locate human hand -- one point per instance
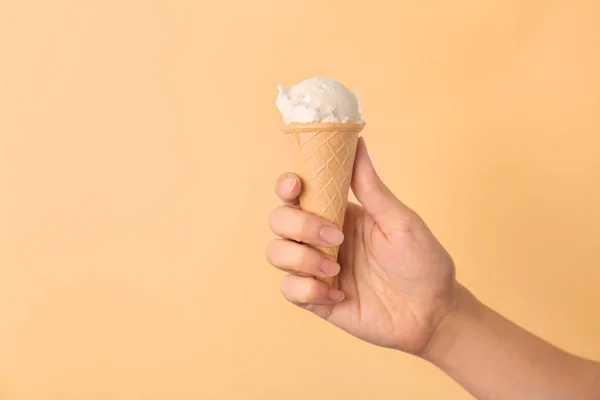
(396, 282)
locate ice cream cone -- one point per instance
(323, 155)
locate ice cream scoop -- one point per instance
(318, 100)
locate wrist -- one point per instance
(465, 312)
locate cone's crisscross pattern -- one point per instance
(323, 159)
(332, 161)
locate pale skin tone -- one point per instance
(395, 287)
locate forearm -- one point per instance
(495, 359)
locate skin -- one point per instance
(397, 289)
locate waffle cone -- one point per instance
(323, 157)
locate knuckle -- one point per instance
(274, 217)
(311, 307)
(308, 293)
(411, 222)
(270, 251)
(313, 260)
(300, 256)
(307, 260)
(285, 287)
(305, 224)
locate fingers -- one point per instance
(304, 290)
(287, 188)
(300, 259)
(293, 223)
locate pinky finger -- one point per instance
(309, 292)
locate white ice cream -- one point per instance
(318, 100)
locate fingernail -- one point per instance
(329, 267)
(288, 185)
(331, 235)
(336, 295)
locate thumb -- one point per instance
(378, 200)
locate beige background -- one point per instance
(138, 146)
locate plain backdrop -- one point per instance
(139, 143)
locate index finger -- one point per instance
(287, 188)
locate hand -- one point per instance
(396, 282)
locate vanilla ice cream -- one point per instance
(318, 100)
